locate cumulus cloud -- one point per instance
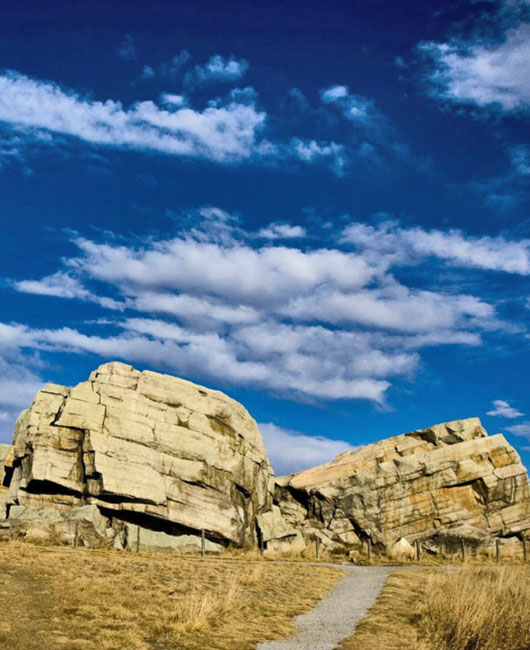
(501, 408)
(312, 151)
(290, 451)
(279, 230)
(453, 246)
(222, 304)
(481, 73)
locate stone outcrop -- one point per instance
(420, 485)
(139, 459)
(142, 449)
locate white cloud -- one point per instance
(19, 379)
(484, 74)
(279, 230)
(312, 151)
(522, 429)
(238, 273)
(64, 285)
(217, 68)
(503, 409)
(221, 133)
(306, 323)
(290, 451)
(334, 93)
(229, 130)
(453, 246)
(393, 307)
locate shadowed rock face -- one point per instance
(414, 486)
(145, 448)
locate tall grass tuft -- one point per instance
(484, 608)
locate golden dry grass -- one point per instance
(484, 608)
(55, 598)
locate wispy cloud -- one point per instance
(502, 409)
(126, 50)
(452, 246)
(167, 70)
(221, 133)
(355, 108)
(226, 131)
(522, 429)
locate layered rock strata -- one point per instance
(140, 459)
(448, 479)
(143, 449)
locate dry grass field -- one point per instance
(54, 598)
(472, 608)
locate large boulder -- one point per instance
(146, 449)
(419, 485)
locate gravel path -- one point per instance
(335, 617)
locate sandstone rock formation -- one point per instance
(139, 448)
(449, 478)
(140, 459)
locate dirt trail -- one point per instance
(334, 618)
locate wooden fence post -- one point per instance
(524, 551)
(317, 547)
(497, 549)
(203, 543)
(418, 550)
(138, 539)
(261, 545)
(463, 545)
(76, 534)
(369, 549)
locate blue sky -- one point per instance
(318, 207)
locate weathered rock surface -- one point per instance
(4, 451)
(140, 459)
(419, 485)
(142, 448)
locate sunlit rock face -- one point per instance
(419, 485)
(140, 459)
(147, 449)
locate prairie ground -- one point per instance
(56, 597)
(470, 608)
